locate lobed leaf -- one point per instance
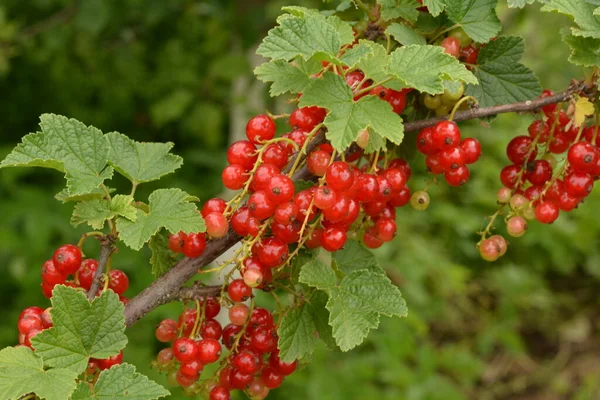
(95, 212)
(477, 17)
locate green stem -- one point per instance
(444, 31)
(373, 86)
(458, 104)
(362, 6)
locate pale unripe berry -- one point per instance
(420, 200)
(516, 226)
(504, 195)
(518, 201)
(362, 140)
(488, 250)
(253, 277)
(238, 314)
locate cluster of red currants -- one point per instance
(446, 153)
(68, 260)
(197, 338)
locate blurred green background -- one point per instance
(525, 327)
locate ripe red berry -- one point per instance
(451, 46)
(209, 351)
(578, 184)
(402, 165)
(33, 310)
(260, 128)
(385, 229)
(234, 177)
(271, 252)
(425, 142)
(325, 198)
(380, 92)
(385, 189)
(306, 118)
(67, 259)
(368, 189)
(238, 314)
(118, 281)
(263, 339)
(451, 158)
(582, 156)
(29, 323)
(229, 333)
(397, 100)
(303, 200)
(280, 367)
(275, 155)
(539, 129)
(280, 189)
(289, 233)
(214, 205)
(508, 175)
(286, 213)
(183, 380)
(471, 150)
(243, 153)
(314, 241)
(469, 54)
(51, 275)
(353, 79)
(216, 225)
(219, 393)
(260, 205)
(457, 177)
(106, 363)
(317, 162)
(559, 143)
(333, 239)
(166, 331)
(185, 349)
(550, 108)
(400, 199)
(518, 148)
(211, 329)
(238, 291)
(339, 176)
(271, 378)
(47, 318)
(566, 202)
(191, 369)
(546, 212)
(194, 245)
(239, 380)
(176, 241)
(395, 178)
(539, 172)
(445, 134)
(262, 176)
(339, 211)
(247, 362)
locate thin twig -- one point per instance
(106, 251)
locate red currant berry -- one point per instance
(234, 177)
(518, 148)
(214, 205)
(566, 202)
(550, 108)
(47, 318)
(238, 314)
(260, 205)
(166, 331)
(163, 357)
(339, 176)
(185, 349)
(219, 393)
(51, 275)
(582, 156)
(260, 129)
(333, 239)
(369, 188)
(508, 175)
(402, 165)
(106, 363)
(578, 184)
(230, 331)
(471, 150)
(469, 54)
(210, 329)
(339, 211)
(194, 245)
(306, 118)
(118, 281)
(271, 252)
(317, 162)
(451, 46)
(546, 212)
(29, 323)
(280, 367)
(239, 380)
(314, 241)
(401, 199)
(380, 92)
(183, 380)
(191, 369)
(271, 378)
(539, 129)
(397, 100)
(262, 176)
(209, 351)
(325, 197)
(238, 291)
(445, 134)
(385, 229)
(425, 142)
(263, 339)
(287, 233)
(559, 143)
(280, 189)
(451, 158)
(275, 155)
(242, 153)
(457, 177)
(216, 225)
(247, 362)
(67, 259)
(286, 213)
(176, 241)
(516, 226)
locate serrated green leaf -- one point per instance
(502, 79)
(21, 372)
(584, 51)
(343, 28)
(582, 12)
(141, 162)
(297, 333)
(374, 66)
(121, 382)
(426, 67)
(68, 146)
(392, 9)
(162, 258)
(519, 3)
(97, 193)
(348, 117)
(287, 77)
(303, 33)
(356, 54)
(169, 208)
(96, 211)
(435, 7)
(477, 17)
(404, 34)
(81, 329)
(318, 302)
(355, 256)
(355, 302)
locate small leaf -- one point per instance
(317, 274)
(169, 208)
(477, 17)
(406, 9)
(404, 34)
(21, 372)
(583, 12)
(583, 108)
(297, 333)
(141, 162)
(356, 54)
(96, 211)
(435, 7)
(502, 78)
(121, 382)
(162, 258)
(355, 256)
(68, 146)
(97, 193)
(81, 329)
(584, 51)
(426, 67)
(287, 77)
(374, 66)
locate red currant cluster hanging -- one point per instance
(68, 261)
(535, 187)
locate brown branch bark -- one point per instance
(167, 287)
(106, 251)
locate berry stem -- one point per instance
(373, 86)
(199, 316)
(302, 152)
(459, 103)
(87, 235)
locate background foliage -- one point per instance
(525, 327)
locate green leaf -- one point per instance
(477, 17)
(520, 3)
(141, 162)
(584, 51)
(304, 33)
(404, 34)
(301, 184)
(286, 77)
(318, 302)
(374, 66)
(97, 193)
(356, 54)
(348, 117)
(426, 67)
(81, 329)
(355, 302)
(502, 78)
(96, 211)
(169, 208)
(21, 372)
(121, 382)
(582, 12)
(392, 9)
(435, 7)
(68, 146)
(162, 257)
(355, 256)
(297, 333)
